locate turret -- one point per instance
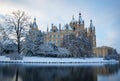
(73, 22)
(59, 27)
(91, 24)
(34, 24)
(91, 33)
(92, 27)
(80, 24)
(47, 29)
(54, 28)
(80, 21)
(51, 25)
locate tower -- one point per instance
(80, 21)
(33, 29)
(80, 25)
(34, 25)
(91, 34)
(73, 23)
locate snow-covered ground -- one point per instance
(51, 60)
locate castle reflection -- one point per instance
(56, 73)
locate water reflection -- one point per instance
(59, 73)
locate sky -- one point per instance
(104, 13)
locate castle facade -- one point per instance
(56, 34)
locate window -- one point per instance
(58, 36)
(59, 41)
(50, 36)
(54, 36)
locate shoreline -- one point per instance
(51, 60)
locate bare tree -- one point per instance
(18, 23)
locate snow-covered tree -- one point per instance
(1, 48)
(37, 42)
(18, 23)
(78, 46)
(37, 47)
(48, 50)
(27, 46)
(63, 52)
(34, 45)
(68, 41)
(84, 44)
(32, 42)
(7, 46)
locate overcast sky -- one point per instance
(104, 13)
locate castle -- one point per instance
(56, 34)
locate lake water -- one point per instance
(107, 72)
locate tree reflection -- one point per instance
(55, 73)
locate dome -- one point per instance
(73, 20)
(67, 27)
(34, 25)
(55, 28)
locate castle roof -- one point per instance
(66, 27)
(54, 28)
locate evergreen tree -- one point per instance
(78, 46)
(31, 45)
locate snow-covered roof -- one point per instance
(66, 27)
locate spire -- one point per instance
(47, 29)
(79, 15)
(52, 25)
(92, 27)
(91, 24)
(73, 17)
(34, 25)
